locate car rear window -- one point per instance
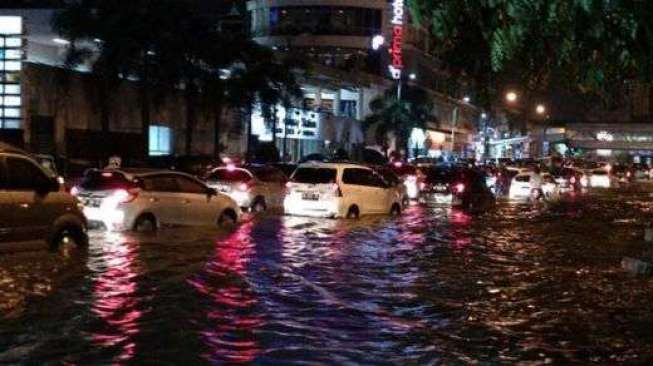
(314, 175)
(599, 172)
(95, 180)
(523, 178)
(230, 175)
(440, 175)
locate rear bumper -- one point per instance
(298, 207)
(439, 198)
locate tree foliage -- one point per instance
(174, 46)
(399, 116)
(585, 46)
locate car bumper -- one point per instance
(299, 207)
(116, 219)
(439, 198)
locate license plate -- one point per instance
(440, 187)
(309, 196)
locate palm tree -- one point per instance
(399, 116)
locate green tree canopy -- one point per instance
(399, 116)
(583, 46)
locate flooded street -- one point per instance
(521, 284)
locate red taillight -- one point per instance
(459, 188)
(422, 185)
(628, 174)
(573, 180)
(288, 185)
(125, 196)
(74, 191)
(244, 187)
(335, 188)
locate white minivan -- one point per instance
(339, 190)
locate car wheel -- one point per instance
(395, 210)
(67, 240)
(145, 224)
(259, 205)
(353, 212)
(227, 219)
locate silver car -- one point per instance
(253, 187)
(144, 200)
(34, 208)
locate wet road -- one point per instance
(522, 284)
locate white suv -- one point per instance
(339, 190)
(143, 200)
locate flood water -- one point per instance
(520, 285)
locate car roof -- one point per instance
(333, 165)
(7, 148)
(144, 172)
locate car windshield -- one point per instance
(523, 178)
(230, 175)
(95, 180)
(600, 172)
(314, 175)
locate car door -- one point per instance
(163, 199)
(32, 212)
(383, 194)
(199, 207)
(7, 221)
(361, 185)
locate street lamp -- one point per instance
(483, 115)
(511, 97)
(466, 99)
(412, 76)
(540, 109)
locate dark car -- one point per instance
(462, 187)
(623, 173)
(567, 178)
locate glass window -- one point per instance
(160, 183)
(14, 42)
(11, 89)
(10, 112)
(12, 66)
(96, 180)
(314, 175)
(24, 175)
(11, 101)
(187, 185)
(9, 123)
(230, 175)
(362, 177)
(160, 140)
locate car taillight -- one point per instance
(335, 188)
(573, 180)
(124, 195)
(411, 179)
(74, 191)
(244, 187)
(459, 188)
(288, 185)
(422, 185)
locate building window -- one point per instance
(160, 140)
(11, 29)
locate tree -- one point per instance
(265, 80)
(399, 116)
(586, 47)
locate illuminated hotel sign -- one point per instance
(396, 57)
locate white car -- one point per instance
(601, 178)
(142, 200)
(253, 187)
(339, 190)
(522, 186)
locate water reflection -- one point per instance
(231, 317)
(114, 298)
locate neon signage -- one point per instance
(396, 55)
